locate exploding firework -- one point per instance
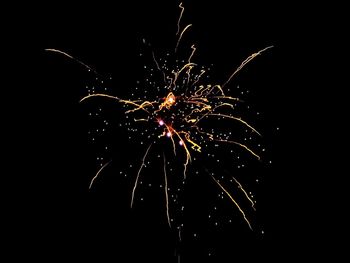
(181, 119)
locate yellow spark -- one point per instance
(193, 50)
(170, 130)
(100, 95)
(180, 37)
(210, 135)
(208, 89)
(158, 67)
(166, 191)
(191, 120)
(194, 146)
(222, 105)
(71, 57)
(205, 107)
(178, 22)
(170, 80)
(188, 154)
(98, 172)
(168, 102)
(138, 174)
(201, 88)
(245, 193)
(199, 76)
(176, 74)
(138, 106)
(212, 88)
(198, 103)
(234, 201)
(241, 145)
(228, 98)
(246, 61)
(188, 72)
(141, 119)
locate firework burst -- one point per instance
(177, 114)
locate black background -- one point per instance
(50, 210)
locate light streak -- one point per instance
(97, 174)
(166, 192)
(138, 174)
(234, 201)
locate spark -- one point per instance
(169, 135)
(241, 145)
(168, 102)
(99, 95)
(158, 67)
(180, 16)
(138, 174)
(166, 191)
(97, 174)
(193, 50)
(180, 37)
(234, 201)
(141, 106)
(73, 58)
(245, 62)
(198, 77)
(245, 193)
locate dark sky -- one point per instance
(56, 213)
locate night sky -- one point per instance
(55, 210)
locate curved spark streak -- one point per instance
(73, 58)
(234, 201)
(198, 77)
(239, 144)
(176, 74)
(97, 174)
(138, 175)
(188, 155)
(228, 98)
(158, 67)
(100, 95)
(178, 22)
(138, 106)
(180, 37)
(170, 130)
(166, 191)
(193, 47)
(245, 193)
(245, 62)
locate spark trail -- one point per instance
(234, 201)
(166, 191)
(98, 173)
(138, 175)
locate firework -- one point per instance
(181, 109)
